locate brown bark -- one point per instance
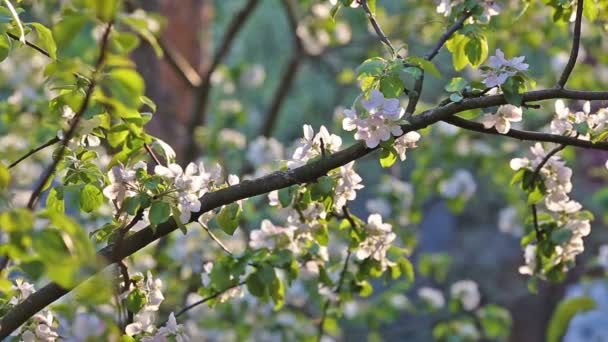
(187, 32)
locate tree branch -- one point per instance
(576, 41)
(74, 125)
(527, 135)
(198, 115)
(275, 181)
(376, 26)
(30, 44)
(51, 142)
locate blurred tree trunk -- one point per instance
(188, 32)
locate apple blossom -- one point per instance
(502, 119)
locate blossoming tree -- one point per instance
(273, 245)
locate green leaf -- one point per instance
(391, 87)
(159, 212)
(54, 201)
(388, 157)
(228, 218)
(136, 300)
(45, 39)
(535, 196)
(16, 220)
(106, 10)
(476, 50)
(334, 10)
(91, 198)
(277, 292)
(127, 86)
(285, 196)
(564, 313)
(5, 177)
(513, 89)
(456, 45)
(177, 218)
(495, 321)
(560, 236)
(427, 66)
(365, 288)
(456, 84)
(591, 10)
(5, 46)
(456, 97)
(373, 67)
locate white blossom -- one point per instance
(378, 240)
(467, 292)
(461, 183)
(408, 140)
(433, 297)
(348, 183)
(502, 119)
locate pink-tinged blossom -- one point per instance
(313, 145)
(501, 69)
(501, 120)
(408, 140)
(379, 121)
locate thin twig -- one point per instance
(30, 44)
(535, 175)
(206, 299)
(576, 41)
(51, 142)
(152, 154)
(198, 115)
(377, 28)
(527, 135)
(414, 94)
(74, 125)
(217, 240)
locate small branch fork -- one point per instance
(372, 19)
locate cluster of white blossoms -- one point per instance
(184, 187)
(556, 177)
(144, 320)
(189, 185)
(501, 69)
(501, 120)
(490, 7)
(565, 120)
(467, 292)
(41, 326)
(377, 241)
(378, 120)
